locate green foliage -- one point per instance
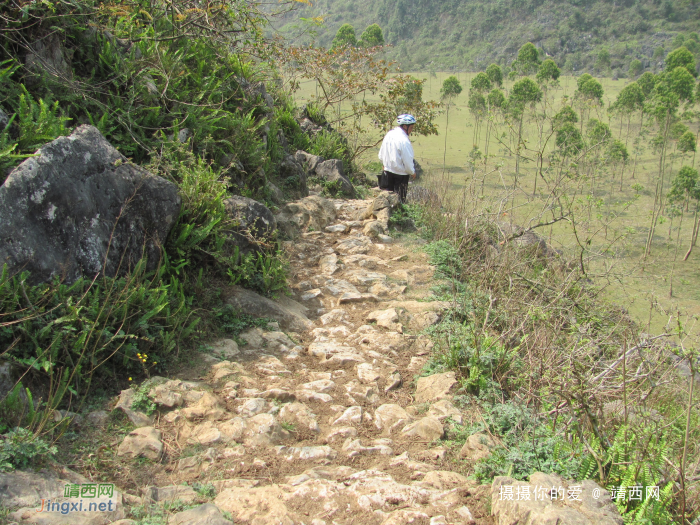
(685, 185)
(37, 122)
(206, 490)
(603, 59)
(450, 88)
(495, 74)
(647, 82)
(635, 68)
(680, 57)
(599, 132)
(372, 36)
(590, 89)
(481, 83)
(17, 409)
(284, 115)
(531, 445)
(264, 272)
(630, 99)
(687, 142)
(20, 449)
(496, 99)
(523, 94)
(676, 83)
(626, 468)
(548, 72)
(528, 60)
(330, 145)
(617, 152)
(141, 401)
(569, 140)
(566, 114)
(477, 104)
(445, 257)
(344, 37)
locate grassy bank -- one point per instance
(561, 379)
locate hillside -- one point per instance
(470, 34)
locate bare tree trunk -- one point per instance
(693, 235)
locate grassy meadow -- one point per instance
(613, 207)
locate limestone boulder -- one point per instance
(308, 161)
(312, 212)
(143, 442)
(574, 503)
(252, 222)
(207, 514)
(291, 170)
(288, 314)
(300, 416)
(478, 446)
(435, 387)
(80, 208)
(390, 417)
(333, 171)
(138, 418)
(425, 429)
(256, 506)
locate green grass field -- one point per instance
(617, 267)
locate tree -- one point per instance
(687, 142)
(565, 115)
(617, 155)
(496, 99)
(685, 186)
(449, 91)
(528, 60)
(591, 90)
(345, 37)
(477, 107)
(372, 37)
(603, 60)
(589, 93)
(495, 74)
(481, 83)
(635, 68)
(548, 73)
(630, 99)
(569, 140)
(680, 57)
(647, 82)
(525, 93)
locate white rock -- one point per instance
(352, 415)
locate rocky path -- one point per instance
(327, 425)
(320, 419)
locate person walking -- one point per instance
(396, 154)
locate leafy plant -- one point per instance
(20, 448)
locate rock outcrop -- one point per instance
(79, 207)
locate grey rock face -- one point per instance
(309, 161)
(47, 55)
(79, 208)
(251, 215)
(290, 316)
(4, 119)
(253, 222)
(334, 171)
(291, 167)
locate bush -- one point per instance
(21, 448)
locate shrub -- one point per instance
(21, 448)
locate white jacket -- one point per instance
(396, 153)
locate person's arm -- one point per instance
(407, 158)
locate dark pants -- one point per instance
(398, 184)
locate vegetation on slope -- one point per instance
(601, 37)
